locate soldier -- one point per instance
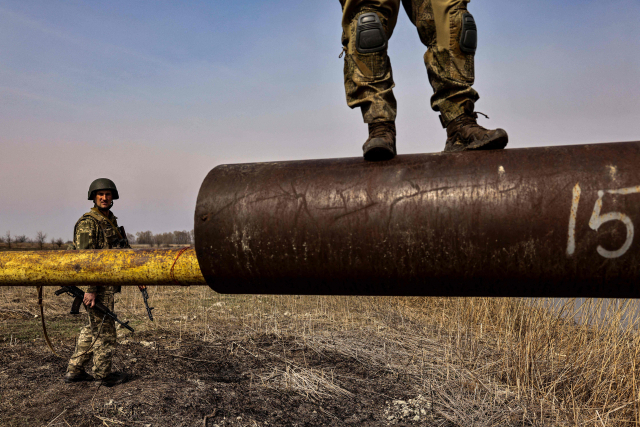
(449, 32)
(98, 229)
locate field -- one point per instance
(220, 360)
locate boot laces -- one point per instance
(470, 120)
(381, 129)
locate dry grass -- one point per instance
(475, 361)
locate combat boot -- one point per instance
(464, 133)
(114, 378)
(74, 377)
(381, 144)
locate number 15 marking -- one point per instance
(597, 219)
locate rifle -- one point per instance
(145, 297)
(78, 294)
(122, 243)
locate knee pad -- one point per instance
(468, 34)
(370, 35)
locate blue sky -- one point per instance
(153, 94)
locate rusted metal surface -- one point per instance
(126, 267)
(536, 222)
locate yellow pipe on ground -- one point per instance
(125, 267)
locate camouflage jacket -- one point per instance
(95, 231)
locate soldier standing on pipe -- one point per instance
(98, 229)
(449, 31)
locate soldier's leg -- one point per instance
(105, 345)
(84, 351)
(82, 354)
(367, 26)
(450, 33)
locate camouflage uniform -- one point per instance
(368, 78)
(94, 231)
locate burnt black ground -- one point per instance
(177, 382)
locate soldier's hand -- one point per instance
(89, 299)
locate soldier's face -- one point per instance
(104, 199)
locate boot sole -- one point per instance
(77, 380)
(376, 151)
(497, 143)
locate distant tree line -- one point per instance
(141, 238)
(162, 239)
(40, 239)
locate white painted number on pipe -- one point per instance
(571, 245)
(597, 219)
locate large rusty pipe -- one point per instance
(535, 222)
(126, 267)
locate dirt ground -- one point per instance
(180, 381)
(209, 359)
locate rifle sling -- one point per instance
(44, 326)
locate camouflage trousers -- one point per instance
(104, 347)
(368, 78)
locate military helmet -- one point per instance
(102, 184)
